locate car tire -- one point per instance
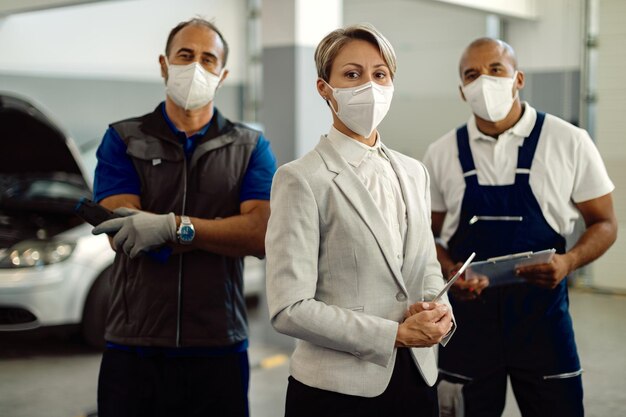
(95, 310)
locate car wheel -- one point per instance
(94, 313)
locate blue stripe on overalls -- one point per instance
(513, 326)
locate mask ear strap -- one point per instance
(219, 77)
(330, 104)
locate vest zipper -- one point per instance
(180, 258)
(125, 299)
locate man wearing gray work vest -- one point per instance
(514, 180)
(195, 186)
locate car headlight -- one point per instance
(36, 253)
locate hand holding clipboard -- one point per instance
(501, 270)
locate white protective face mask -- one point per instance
(491, 98)
(362, 108)
(191, 86)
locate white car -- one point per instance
(53, 271)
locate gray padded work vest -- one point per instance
(196, 298)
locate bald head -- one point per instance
(487, 56)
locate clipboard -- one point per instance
(501, 270)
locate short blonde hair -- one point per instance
(329, 47)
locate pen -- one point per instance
(454, 278)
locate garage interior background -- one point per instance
(94, 62)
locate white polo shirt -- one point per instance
(567, 169)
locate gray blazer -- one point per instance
(332, 279)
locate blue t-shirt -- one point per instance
(115, 173)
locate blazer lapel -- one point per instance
(409, 195)
(362, 201)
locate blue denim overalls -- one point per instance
(518, 330)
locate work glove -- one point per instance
(136, 231)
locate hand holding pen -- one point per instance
(426, 327)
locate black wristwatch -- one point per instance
(186, 231)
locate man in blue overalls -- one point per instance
(514, 180)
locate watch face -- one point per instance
(186, 233)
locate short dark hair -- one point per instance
(198, 22)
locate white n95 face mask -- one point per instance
(191, 86)
(362, 108)
(491, 98)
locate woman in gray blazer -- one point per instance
(350, 254)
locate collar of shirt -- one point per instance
(521, 129)
(189, 142)
(353, 151)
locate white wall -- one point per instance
(299, 22)
(553, 40)
(514, 8)
(16, 6)
(115, 39)
(608, 270)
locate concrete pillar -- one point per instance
(291, 111)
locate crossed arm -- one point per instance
(236, 236)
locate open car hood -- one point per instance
(31, 142)
(41, 175)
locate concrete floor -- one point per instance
(56, 376)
